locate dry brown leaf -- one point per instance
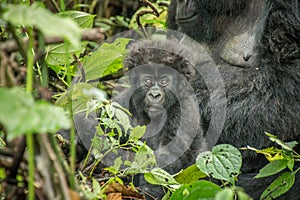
(114, 196)
(124, 190)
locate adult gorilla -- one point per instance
(256, 45)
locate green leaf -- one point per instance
(292, 144)
(143, 160)
(232, 194)
(116, 168)
(122, 116)
(137, 132)
(243, 196)
(290, 164)
(158, 176)
(200, 190)
(96, 187)
(61, 54)
(83, 19)
(272, 168)
(279, 186)
(190, 174)
(106, 60)
(81, 96)
(223, 162)
(48, 23)
(21, 115)
(225, 194)
(287, 146)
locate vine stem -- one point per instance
(29, 135)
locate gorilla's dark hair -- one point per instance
(166, 52)
(262, 96)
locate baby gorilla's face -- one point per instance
(157, 85)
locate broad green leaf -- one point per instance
(83, 19)
(200, 190)
(225, 194)
(137, 132)
(107, 59)
(21, 115)
(190, 174)
(158, 176)
(61, 54)
(279, 186)
(223, 162)
(272, 168)
(48, 23)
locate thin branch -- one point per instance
(80, 66)
(96, 35)
(153, 11)
(58, 168)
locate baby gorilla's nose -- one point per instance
(155, 96)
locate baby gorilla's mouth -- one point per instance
(155, 108)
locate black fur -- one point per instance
(180, 125)
(262, 79)
(158, 58)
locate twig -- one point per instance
(80, 66)
(58, 168)
(153, 11)
(95, 34)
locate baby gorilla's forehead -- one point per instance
(157, 70)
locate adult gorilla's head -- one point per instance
(230, 29)
(204, 20)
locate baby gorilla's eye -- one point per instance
(148, 82)
(164, 82)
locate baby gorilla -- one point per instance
(161, 97)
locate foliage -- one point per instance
(22, 15)
(58, 55)
(151, 19)
(280, 159)
(279, 186)
(116, 139)
(107, 59)
(202, 190)
(190, 174)
(223, 162)
(21, 114)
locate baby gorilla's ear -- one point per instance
(188, 70)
